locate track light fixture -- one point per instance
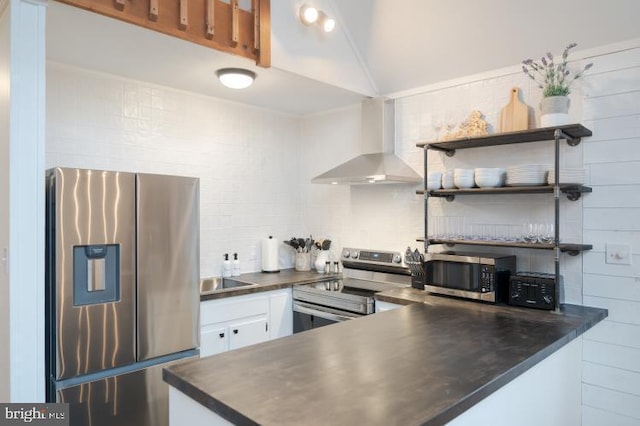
(311, 15)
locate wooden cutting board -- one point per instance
(515, 115)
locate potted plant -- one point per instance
(555, 80)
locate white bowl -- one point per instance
(463, 172)
(489, 181)
(489, 177)
(447, 180)
(463, 181)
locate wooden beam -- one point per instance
(234, 23)
(210, 22)
(264, 53)
(153, 10)
(184, 15)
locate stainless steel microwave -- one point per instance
(479, 276)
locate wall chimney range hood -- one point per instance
(377, 163)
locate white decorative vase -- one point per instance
(303, 261)
(554, 111)
(321, 261)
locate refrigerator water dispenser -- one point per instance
(96, 272)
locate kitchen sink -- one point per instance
(214, 284)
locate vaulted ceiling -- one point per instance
(389, 45)
(411, 43)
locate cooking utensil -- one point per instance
(515, 115)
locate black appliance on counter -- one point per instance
(533, 290)
(365, 272)
(477, 276)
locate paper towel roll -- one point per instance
(270, 255)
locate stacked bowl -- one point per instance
(489, 177)
(463, 178)
(527, 175)
(434, 180)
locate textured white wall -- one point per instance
(247, 158)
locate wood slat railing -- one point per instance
(217, 24)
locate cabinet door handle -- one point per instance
(235, 331)
(221, 335)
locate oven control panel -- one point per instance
(372, 257)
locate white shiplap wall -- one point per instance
(611, 376)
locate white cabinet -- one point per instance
(238, 321)
(249, 332)
(280, 313)
(213, 339)
(385, 306)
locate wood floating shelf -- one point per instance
(572, 249)
(572, 191)
(572, 133)
(216, 24)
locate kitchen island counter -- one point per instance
(425, 363)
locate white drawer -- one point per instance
(214, 311)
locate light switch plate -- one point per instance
(618, 254)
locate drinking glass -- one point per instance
(530, 233)
(547, 235)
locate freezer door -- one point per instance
(168, 264)
(90, 271)
(138, 398)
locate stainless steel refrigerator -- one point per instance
(122, 291)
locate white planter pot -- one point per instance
(554, 111)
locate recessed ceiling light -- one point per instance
(236, 78)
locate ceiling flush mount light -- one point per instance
(236, 78)
(310, 15)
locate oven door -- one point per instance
(307, 316)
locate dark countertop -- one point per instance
(262, 281)
(420, 364)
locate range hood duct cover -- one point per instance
(377, 163)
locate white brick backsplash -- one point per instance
(246, 158)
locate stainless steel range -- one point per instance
(365, 272)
